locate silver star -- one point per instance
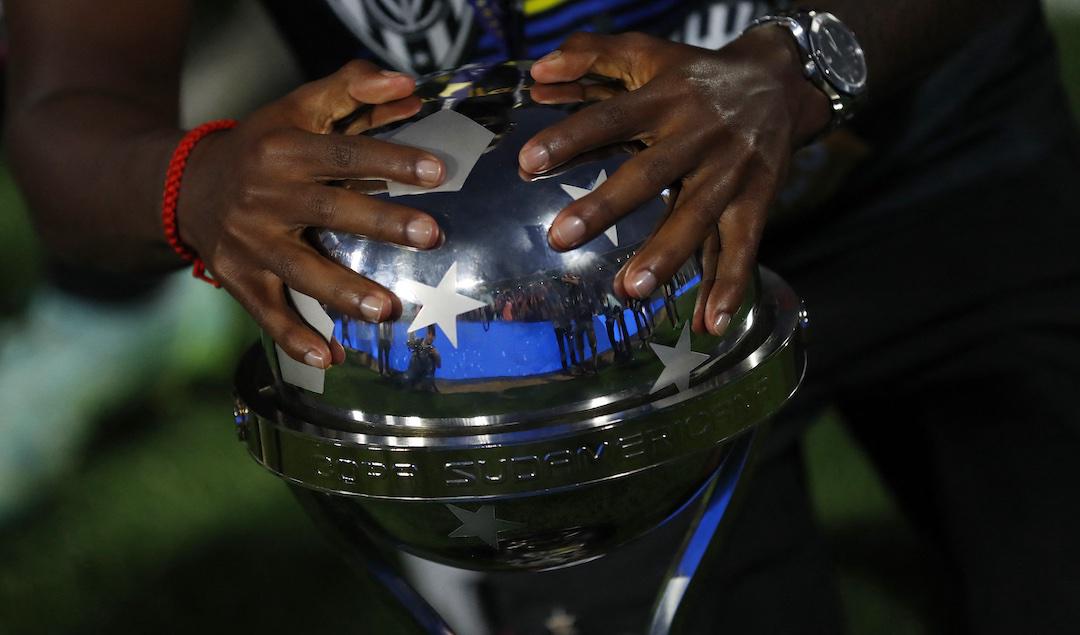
(442, 304)
(561, 623)
(480, 524)
(577, 192)
(679, 361)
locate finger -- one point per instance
(710, 250)
(572, 92)
(316, 205)
(263, 296)
(331, 157)
(741, 225)
(618, 284)
(616, 119)
(315, 106)
(302, 268)
(700, 203)
(337, 352)
(637, 181)
(584, 53)
(379, 115)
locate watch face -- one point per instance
(838, 53)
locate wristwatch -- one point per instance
(833, 60)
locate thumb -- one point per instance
(315, 106)
(584, 53)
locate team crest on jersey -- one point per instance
(417, 36)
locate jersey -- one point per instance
(420, 36)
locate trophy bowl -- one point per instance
(518, 415)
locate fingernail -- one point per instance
(721, 323)
(568, 231)
(315, 358)
(533, 158)
(429, 171)
(642, 284)
(420, 232)
(372, 307)
(554, 55)
(388, 73)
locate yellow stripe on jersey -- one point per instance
(532, 7)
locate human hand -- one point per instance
(250, 193)
(719, 125)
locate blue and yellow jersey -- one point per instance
(419, 36)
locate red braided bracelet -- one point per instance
(172, 194)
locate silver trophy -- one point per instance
(519, 415)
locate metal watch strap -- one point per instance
(797, 23)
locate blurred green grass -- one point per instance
(166, 525)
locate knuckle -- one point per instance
(271, 319)
(701, 214)
(248, 196)
(321, 207)
(345, 297)
(267, 148)
(401, 163)
(259, 311)
(383, 225)
(342, 154)
(599, 208)
(656, 171)
(288, 269)
(668, 258)
(611, 115)
(752, 142)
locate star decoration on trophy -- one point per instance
(442, 305)
(679, 361)
(577, 192)
(481, 524)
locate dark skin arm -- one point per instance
(723, 126)
(93, 123)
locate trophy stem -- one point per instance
(427, 620)
(716, 497)
(399, 602)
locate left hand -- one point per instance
(720, 124)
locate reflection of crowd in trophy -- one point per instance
(571, 304)
(385, 341)
(424, 360)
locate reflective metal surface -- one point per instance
(548, 421)
(548, 336)
(529, 495)
(530, 455)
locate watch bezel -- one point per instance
(817, 21)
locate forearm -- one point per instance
(905, 39)
(92, 121)
(92, 166)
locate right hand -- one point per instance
(250, 193)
